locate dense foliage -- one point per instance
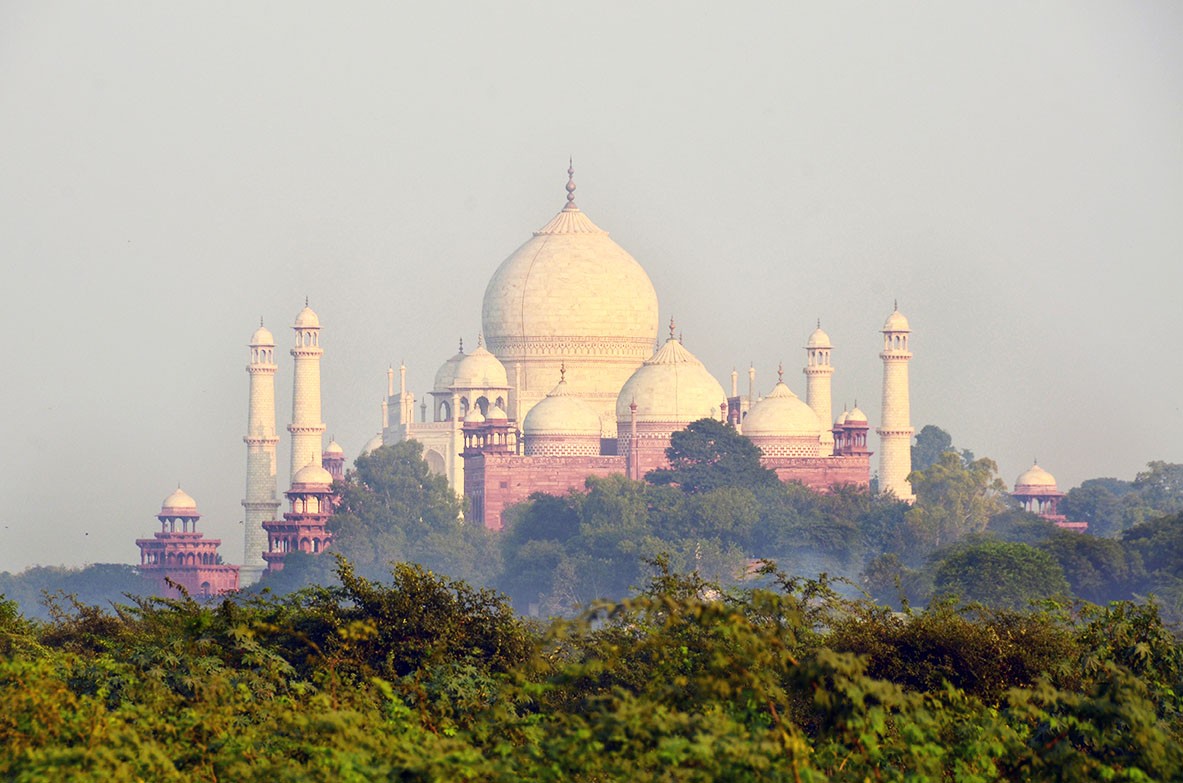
(422, 678)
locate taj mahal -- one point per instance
(571, 376)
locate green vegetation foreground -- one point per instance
(420, 678)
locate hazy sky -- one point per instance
(1011, 172)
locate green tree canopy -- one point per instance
(1000, 574)
(953, 500)
(709, 455)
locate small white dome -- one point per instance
(178, 503)
(312, 474)
(671, 386)
(307, 319)
(372, 444)
(819, 339)
(474, 416)
(335, 449)
(856, 416)
(896, 322)
(480, 369)
(842, 417)
(561, 413)
(446, 374)
(781, 414)
(496, 413)
(262, 338)
(1035, 476)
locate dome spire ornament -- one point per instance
(780, 372)
(673, 326)
(563, 372)
(570, 186)
(461, 345)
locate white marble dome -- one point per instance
(781, 414)
(307, 318)
(372, 444)
(671, 386)
(335, 449)
(178, 503)
(856, 416)
(561, 413)
(312, 474)
(570, 280)
(262, 338)
(896, 322)
(480, 369)
(447, 371)
(819, 339)
(1035, 476)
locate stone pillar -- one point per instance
(818, 373)
(260, 503)
(895, 427)
(306, 428)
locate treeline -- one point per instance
(717, 512)
(421, 678)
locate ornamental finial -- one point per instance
(480, 340)
(780, 372)
(673, 326)
(461, 345)
(563, 372)
(305, 301)
(570, 185)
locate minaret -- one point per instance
(817, 383)
(306, 427)
(260, 503)
(895, 427)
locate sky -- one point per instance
(1010, 172)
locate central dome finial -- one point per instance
(570, 185)
(672, 327)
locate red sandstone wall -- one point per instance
(821, 473)
(494, 482)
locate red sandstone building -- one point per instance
(304, 526)
(179, 558)
(1037, 493)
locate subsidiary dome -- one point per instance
(571, 287)
(262, 338)
(819, 339)
(1035, 476)
(178, 504)
(335, 449)
(372, 444)
(479, 369)
(896, 322)
(561, 413)
(856, 416)
(312, 474)
(446, 374)
(842, 417)
(671, 386)
(497, 413)
(307, 318)
(781, 414)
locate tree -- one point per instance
(931, 443)
(393, 509)
(1097, 569)
(1000, 574)
(708, 455)
(953, 500)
